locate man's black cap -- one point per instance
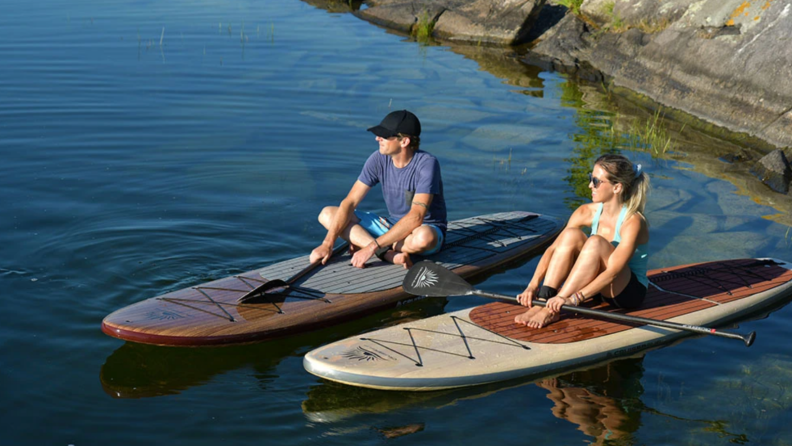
(397, 122)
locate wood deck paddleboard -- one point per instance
(210, 314)
(483, 344)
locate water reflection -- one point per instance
(607, 123)
(596, 135)
(503, 63)
(143, 371)
(603, 402)
(606, 404)
(336, 5)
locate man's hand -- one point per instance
(360, 257)
(320, 253)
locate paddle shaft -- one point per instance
(311, 266)
(747, 339)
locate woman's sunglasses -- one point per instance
(596, 181)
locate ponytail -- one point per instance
(634, 181)
(635, 195)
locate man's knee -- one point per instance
(424, 238)
(327, 214)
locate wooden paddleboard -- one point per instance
(483, 344)
(210, 314)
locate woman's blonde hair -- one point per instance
(634, 181)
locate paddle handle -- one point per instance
(747, 339)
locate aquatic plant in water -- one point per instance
(652, 134)
(601, 132)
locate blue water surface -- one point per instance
(150, 146)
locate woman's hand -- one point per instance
(527, 296)
(555, 303)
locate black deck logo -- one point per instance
(425, 278)
(363, 354)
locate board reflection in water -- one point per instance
(618, 382)
(141, 371)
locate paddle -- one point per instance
(280, 284)
(427, 278)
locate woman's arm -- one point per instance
(582, 217)
(630, 232)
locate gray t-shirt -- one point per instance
(420, 176)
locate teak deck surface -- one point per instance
(677, 291)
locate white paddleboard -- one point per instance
(483, 345)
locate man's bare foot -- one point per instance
(523, 318)
(402, 258)
(542, 318)
(398, 258)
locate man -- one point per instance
(413, 192)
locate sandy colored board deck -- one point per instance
(209, 314)
(483, 344)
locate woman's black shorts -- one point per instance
(631, 297)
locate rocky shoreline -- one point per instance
(728, 63)
(725, 62)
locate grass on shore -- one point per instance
(422, 30)
(645, 25)
(572, 5)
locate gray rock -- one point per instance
(603, 12)
(335, 5)
(399, 14)
(491, 21)
(726, 61)
(560, 46)
(774, 171)
(742, 156)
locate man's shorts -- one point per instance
(377, 226)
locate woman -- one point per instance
(611, 263)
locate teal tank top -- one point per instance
(640, 257)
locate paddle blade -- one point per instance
(427, 278)
(262, 289)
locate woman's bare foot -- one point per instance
(523, 318)
(542, 318)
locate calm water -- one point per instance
(136, 162)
